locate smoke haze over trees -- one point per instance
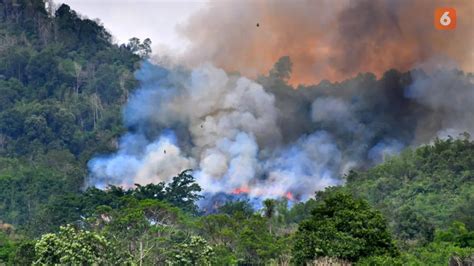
(139, 162)
(267, 138)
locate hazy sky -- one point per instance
(154, 19)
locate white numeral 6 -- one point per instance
(445, 20)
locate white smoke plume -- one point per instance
(266, 139)
(232, 140)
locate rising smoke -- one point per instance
(263, 136)
(329, 39)
(224, 127)
(267, 139)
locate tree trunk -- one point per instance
(141, 253)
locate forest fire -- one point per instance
(240, 190)
(245, 190)
(284, 137)
(263, 137)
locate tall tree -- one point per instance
(342, 227)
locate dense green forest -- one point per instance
(62, 86)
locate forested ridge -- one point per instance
(63, 83)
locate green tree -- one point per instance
(269, 208)
(423, 189)
(269, 211)
(457, 234)
(62, 86)
(237, 208)
(142, 49)
(342, 227)
(145, 229)
(24, 253)
(7, 248)
(255, 244)
(183, 191)
(436, 253)
(73, 246)
(194, 251)
(219, 229)
(413, 226)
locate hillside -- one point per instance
(63, 86)
(423, 189)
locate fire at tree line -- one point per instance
(63, 84)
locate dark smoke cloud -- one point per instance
(330, 40)
(266, 138)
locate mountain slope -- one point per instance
(62, 86)
(422, 189)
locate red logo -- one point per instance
(445, 18)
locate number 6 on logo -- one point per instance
(445, 18)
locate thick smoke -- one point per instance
(262, 136)
(223, 126)
(267, 139)
(331, 40)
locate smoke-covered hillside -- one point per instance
(268, 139)
(110, 156)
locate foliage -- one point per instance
(142, 49)
(256, 244)
(381, 260)
(422, 189)
(145, 228)
(457, 234)
(25, 189)
(436, 253)
(62, 85)
(14, 248)
(24, 253)
(72, 246)
(183, 191)
(194, 251)
(6, 247)
(238, 208)
(342, 227)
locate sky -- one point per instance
(154, 19)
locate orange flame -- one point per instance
(240, 190)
